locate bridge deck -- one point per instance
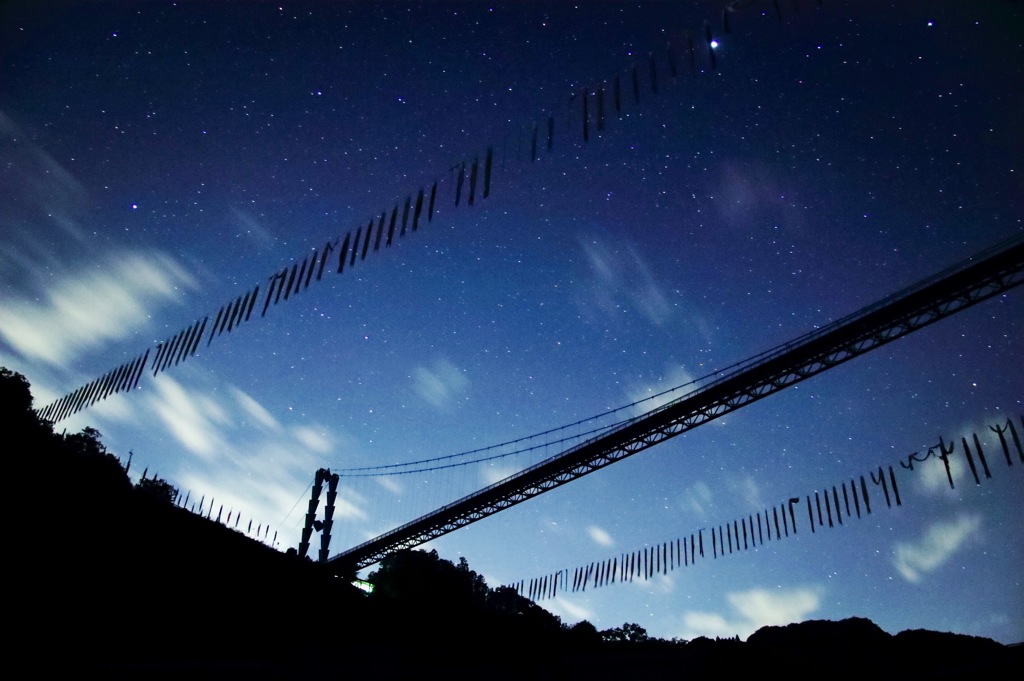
(963, 285)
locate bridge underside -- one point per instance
(968, 283)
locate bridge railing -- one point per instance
(983, 275)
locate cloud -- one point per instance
(441, 384)
(709, 624)
(191, 418)
(698, 498)
(66, 291)
(255, 410)
(495, 472)
(750, 194)
(621, 282)
(659, 584)
(567, 610)
(750, 491)
(940, 541)
(350, 504)
(116, 408)
(253, 230)
(752, 610)
(389, 483)
(36, 189)
(94, 305)
(315, 439)
(931, 474)
(600, 536)
(266, 482)
(647, 296)
(931, 478)
(765, 608)
(262, 474)
(660, 392)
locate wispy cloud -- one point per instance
(64, 291)
(192, 418)
(263, 474)
(931, 478)
(568, 610)
(940, 541)
(117, 408)
(252, 230)
(750, 193)
(255, 410)
(750, 491)
(762, 607)
(698, 498)
(261, 481)
(36, 190)
(85, 309)
(600, 536)
(495, 472)
(440, 384)
(390, 484)
(660, 392)
(350, 504)
(314, 439)
(709, 624)
(658, 584)
(621, 282)
(751, 610)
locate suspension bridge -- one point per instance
(971, 282)
(964, 285)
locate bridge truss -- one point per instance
(979, 278)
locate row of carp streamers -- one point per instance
(467, 179)
(850, 498)
(262, 531)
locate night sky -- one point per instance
(160, 160)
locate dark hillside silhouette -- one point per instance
(115, 579)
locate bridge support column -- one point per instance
(332, 494)
(314, 501)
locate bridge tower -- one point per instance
(322, 475)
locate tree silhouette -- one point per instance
(21, 422)
(630, 632)
(16, 395)
(96, 469)
(158, 489)
(427, 580)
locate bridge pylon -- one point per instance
(322, 475)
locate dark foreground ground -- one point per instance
(112, 580)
